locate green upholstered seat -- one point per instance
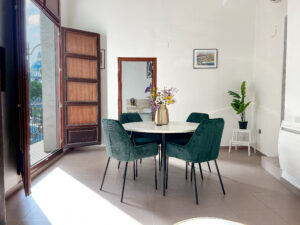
(119, 146)
(139, 138)
(183, 139)
(203, 146)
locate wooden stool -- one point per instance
(235, 141)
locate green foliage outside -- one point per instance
(238, 102)
(35, 90)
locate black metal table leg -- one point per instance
(163, 149)
(133, 170)
(136, 168)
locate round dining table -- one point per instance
(171, 128)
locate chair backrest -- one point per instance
(118, 143)
(197, 117)
(205, 142)
(130, 118)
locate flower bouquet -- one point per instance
(159, 99)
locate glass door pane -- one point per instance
(42, 66)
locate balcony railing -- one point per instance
(36, 122)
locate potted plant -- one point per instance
(239, 105)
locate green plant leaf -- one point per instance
(247, 105)
(234, 94)
(243, 89)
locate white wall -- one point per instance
(268, 70)
(170, 32)
(292, 103)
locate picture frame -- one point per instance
(102, 58)
(205, 58)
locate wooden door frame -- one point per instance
(133, 59)
(23, 96)
(24, 165)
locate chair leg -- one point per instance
(134, 170)
(167, 176)
(105, 173)
(140, 161)
(195, 182)
(125, 172)
(191, 174)
(155, 172)
(220, 177)
(208, 167)
(119, 164)
(200, 168)
(186, 172)
(159, 159)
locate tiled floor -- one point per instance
(68, 193)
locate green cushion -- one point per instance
(183, 139)
(139, 138)
(203, 146)
(119, 145)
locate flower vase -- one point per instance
(162, 116)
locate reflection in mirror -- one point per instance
(136, 76)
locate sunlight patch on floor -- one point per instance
(64, 200)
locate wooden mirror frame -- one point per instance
(133, 59)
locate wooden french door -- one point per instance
(78, 92)
(81, 87)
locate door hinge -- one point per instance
(16, 6)
(19, 106)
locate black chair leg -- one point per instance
(167, 176)
(134, 170)
(208, 167)
(186, 172)
(159, 159)
(155, 172)
(220, 177)
(191, 174)
(119, 164)
(105, 173)
(195, 182)
(125, 172)
(200, 168)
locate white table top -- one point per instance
(171, 128)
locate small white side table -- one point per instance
(236, 142)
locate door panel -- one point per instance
(81, 68)
(81, 43)
(81, 89)
(84, 92)
(82, 115)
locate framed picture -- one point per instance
(102, 59)
(205, 58)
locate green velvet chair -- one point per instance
(203, 146)
(183, 139)
(119, 146)
(138, 138)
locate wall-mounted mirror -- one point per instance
(135, 74)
